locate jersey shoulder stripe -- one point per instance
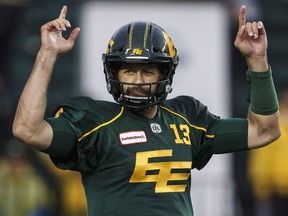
(103, 124)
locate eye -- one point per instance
(128, 71)
(149, 72)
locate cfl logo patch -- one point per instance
(155, 128)
(163, 171)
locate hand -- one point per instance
(51, 34)
(251, 39)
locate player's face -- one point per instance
(139, 74)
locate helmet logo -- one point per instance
(170, 45)
(137, 51)
(110, 44)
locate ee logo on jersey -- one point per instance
(163, 172)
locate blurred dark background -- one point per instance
(20, 22)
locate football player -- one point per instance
(135, 156)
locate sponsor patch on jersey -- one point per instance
(155, 128)
(132, 137)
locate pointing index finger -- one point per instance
(63, 12)
(242, 16)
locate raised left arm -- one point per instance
(263, 114)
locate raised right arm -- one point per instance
(29, 125)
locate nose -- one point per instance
(139, 77)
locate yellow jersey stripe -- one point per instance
(102, 125)
(191, 125)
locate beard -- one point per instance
(139, 90)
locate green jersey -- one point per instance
(131, 165)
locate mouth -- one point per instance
(138, 93)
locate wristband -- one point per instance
(261, 92)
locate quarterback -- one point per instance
(135, 155)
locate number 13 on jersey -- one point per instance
(181, 133)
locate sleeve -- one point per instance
(71, 120)
(64, 140)
(231, 136)
(209, 123)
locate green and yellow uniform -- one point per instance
(131, 165)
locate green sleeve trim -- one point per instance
(231, 136)
(64, 140)
(261, 92)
